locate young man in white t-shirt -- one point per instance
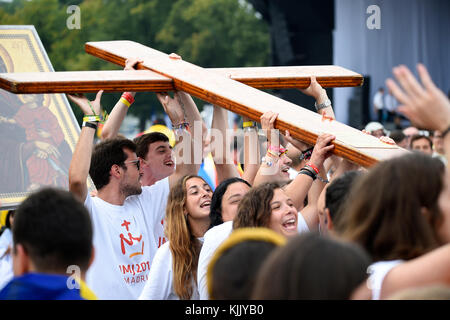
(153, 149)
(124, 213)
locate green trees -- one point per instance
(210, 33)
(219, 33)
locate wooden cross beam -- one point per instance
(220, 88)
(146, 80)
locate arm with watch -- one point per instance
(81, 158)
(324, 108)
(322, 104)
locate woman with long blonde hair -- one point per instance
(174, 268)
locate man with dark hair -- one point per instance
(399, 138)
(438, 146)
(332, 199)
(125, 214)
(422, 144)
(52, 236)
(107, 154)
(409, 132)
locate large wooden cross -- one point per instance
(235, 89)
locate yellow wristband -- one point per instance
(125, 102)
(91, 118)
(247, 124)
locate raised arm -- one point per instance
(323, 103)
(252, 152)
(224, 167)
(118, 113)
(81, 159)
(189, 132)
(269, 170)
(424, 104)
(301, 185)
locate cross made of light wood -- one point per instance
(235, 89)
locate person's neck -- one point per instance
(112, 195)
(149, 180)
(199, 226)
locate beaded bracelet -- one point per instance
(178, 128)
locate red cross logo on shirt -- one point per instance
(130, 240)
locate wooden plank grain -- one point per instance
(285, 77)
(282, 77)
(146, 80)
(237, 97)
(117, 81)
(85, 81)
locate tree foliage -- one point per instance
(210, 33)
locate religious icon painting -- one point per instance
(38, 131)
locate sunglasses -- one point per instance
(136, 162)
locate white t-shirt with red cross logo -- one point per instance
(125, 241)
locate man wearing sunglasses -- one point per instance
(125, 213)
